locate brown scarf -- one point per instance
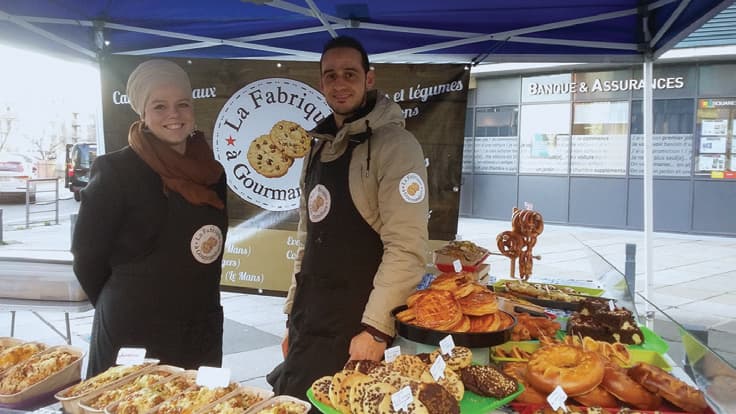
(190, 174)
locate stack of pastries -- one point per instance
(366, 387)
(591, 379)
(455, 302)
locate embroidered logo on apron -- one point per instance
(319, 203)
(207, 243)
(411, 188)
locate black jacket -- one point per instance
(132, 256)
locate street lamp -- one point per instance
(6, 125)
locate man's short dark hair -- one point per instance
(349, 42)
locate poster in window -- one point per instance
(600, 138)
(496, 154)
(544, 139)
(713, 162)
(468, 155)
(717, 127)
(713, 145)
(545, 146)
(672, 153)
(715, 119)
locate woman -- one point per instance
(150, 232)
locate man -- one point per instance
(363, 225)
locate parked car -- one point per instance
(79, 159)
(15, 171)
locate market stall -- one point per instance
(441, 363)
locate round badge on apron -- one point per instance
(207, 243)
(411, 188)
(319, 203)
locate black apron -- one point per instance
(342, 254)
(167, 302)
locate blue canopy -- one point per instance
(466, 31)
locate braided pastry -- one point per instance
(616, 352)
(672, 389)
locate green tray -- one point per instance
(637, 355)
(499, 286)
(652, 341)
(470, 404)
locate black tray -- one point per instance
(467, 339)
(555, 304)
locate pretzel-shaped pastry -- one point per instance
(527, 222)
(509, 243)
(525, 264)
(526, 225)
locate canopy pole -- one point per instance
(648, 184)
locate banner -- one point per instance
(244, 105)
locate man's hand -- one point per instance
(285, 345)
(363, 346)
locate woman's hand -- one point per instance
(285, 345)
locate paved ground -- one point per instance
(694, 280)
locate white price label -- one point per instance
(446, 345)
(611, 305)
(438, 368)
(556, 399)
(131, 356)
(401, 399)
(390, 354)
(213, 377)
(457, 266)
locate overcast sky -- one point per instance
(42, 89)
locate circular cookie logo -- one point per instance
(318, 203)
(206, 243)
(261, 139)
(411, 188)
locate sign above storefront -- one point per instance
(603, 85)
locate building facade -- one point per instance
(570, 144)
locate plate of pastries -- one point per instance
(367, 386)
(594, 378)
(548, 295)
(454, 303)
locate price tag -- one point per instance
(611, 305)
(438, 368)
(556, 399)
(401, 399)
(457, 265)
(131, 356)
(213, 377)
(390, 354)
(446, 345)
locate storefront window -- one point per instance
(496, 139)
(717, 80)
(715, 147)
(468, 144)
(600, 133)
(672, 139)
(545, 139)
